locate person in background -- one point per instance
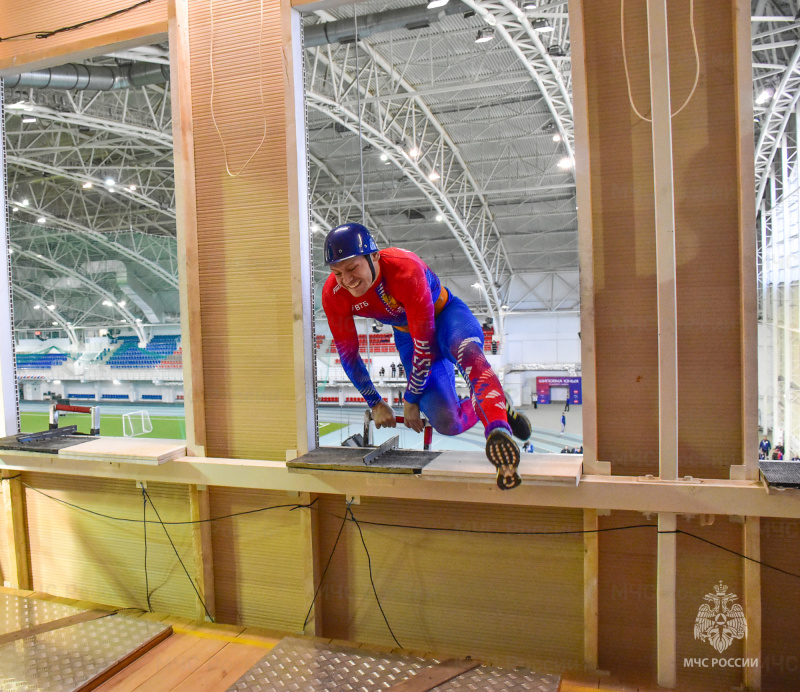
(763, 447)
(563, 422)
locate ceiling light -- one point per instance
(123, 321)
(315, 228)
(121, 303)
(28, 119)
(107, 302)
(765, 96)
(504, 307)
(541, 25)
(556, 137)
(433, 175)
(477, 285)
(25, 202)
(21, 106)
(15, 209)
(413, 152)
(37, 307)
(51, 307)
(115, 381)
(41, 219)
(439, 218)
(110, 182)
(87, 186)
(384, 157)
(132, 188)
(55, 324)
(138, 320)
(556, 51)
(528, 5)
(485, 34)
(433, 4)
(56, 381)
(565, 163)
(10, 250)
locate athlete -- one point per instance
(433, 331)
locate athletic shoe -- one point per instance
(520, 425)
(503, 452)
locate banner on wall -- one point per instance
(573, 385)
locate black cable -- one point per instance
(291, 507)
(177, 554)
(11, 478)
(325, 571)
(372, 581)
(734, 552)
(144, 526)
(72, 27)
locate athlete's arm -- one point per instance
(343, 328)
(410, 286)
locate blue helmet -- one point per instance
(347, 241)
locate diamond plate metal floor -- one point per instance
(18, 613)
(65, 659)
(304, 666)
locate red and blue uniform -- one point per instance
(433, 331)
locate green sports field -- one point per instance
(165, 427)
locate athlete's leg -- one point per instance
(439, 403)
(460, 339)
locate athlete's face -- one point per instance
(355, 275)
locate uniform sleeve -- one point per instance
(343, 328)
(410, 286)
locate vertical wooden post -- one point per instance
(17, 532)
(186, 210)
(309, 521)
(752, 601)
(203, 553)
(665, 239)
(591, 567)
(665, 603)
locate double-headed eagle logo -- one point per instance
(720, 623)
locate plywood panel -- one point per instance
(247, 257)
(509, 599)
(259, 560)
(80, 555)
(132, 28)
(780, 605)
(708, 230)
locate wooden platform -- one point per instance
(546, 469)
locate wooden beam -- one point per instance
(43, 627)
(17, 533)
(660, 106)
(583, 193)
(665, 603)
(309, 521)
(186, 223)
(203, 553)
(752, 601)
(591, 568)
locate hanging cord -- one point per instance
(327, 564)
(360, 140)
(260, 90)
(625, 61)
(371, 580)
(144, 526)
(177, 554)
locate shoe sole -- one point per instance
(504, 454)
(515, 420)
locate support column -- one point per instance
(665, 600)
(203, 553)
(752, 601)
(665, 239)
(591, 564)
(9, 408)
(16, 532)
(786, 289)
(309, 521)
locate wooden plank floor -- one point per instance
(197, 657)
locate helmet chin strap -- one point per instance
(371, 267)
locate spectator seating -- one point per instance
(161, 351)
(41, 361)
(151, 397)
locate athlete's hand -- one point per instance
(383, 415)
(412, 417)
